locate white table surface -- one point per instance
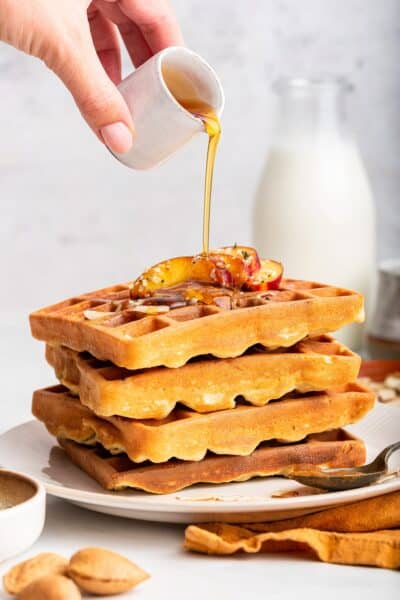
(157, 547)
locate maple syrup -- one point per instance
(14, 490)
(184, 91)
(304, 490)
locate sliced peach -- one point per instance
(267, 278)
(211, 269)
(164, 274)
(246, 254)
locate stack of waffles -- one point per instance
(160, 400)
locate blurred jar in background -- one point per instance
(314, 209)
(383, 338)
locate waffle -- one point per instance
(129, 338)
(336, 448)
(207, 384)
(188, 435)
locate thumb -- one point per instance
(98, 99)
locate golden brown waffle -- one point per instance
(335, 448)
(204, 385)
(129, 338)
(188, 435)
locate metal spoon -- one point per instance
(347, 478)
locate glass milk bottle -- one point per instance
(314, 209)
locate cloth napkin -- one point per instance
(364, 533)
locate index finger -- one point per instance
(156, 20)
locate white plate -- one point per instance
(30, 449)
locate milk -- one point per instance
(314, 209)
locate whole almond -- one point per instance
(51, 587)
(22, 574)
(102, 572)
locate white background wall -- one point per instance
(72, 218)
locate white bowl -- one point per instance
(21, 524)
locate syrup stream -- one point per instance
(184, 91)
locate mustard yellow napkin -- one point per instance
(363, 533)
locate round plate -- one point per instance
(30, 449)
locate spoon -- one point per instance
(347, 478)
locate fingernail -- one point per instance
(117, 137)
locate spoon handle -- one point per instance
(388, 451)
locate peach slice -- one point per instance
(208, 269)
(267, 278)
(247, 255)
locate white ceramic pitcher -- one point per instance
(162, 124)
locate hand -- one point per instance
(78, 40)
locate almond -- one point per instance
(25, 572)
(51, 587)
(102, 572)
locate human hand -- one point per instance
(78, 40)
